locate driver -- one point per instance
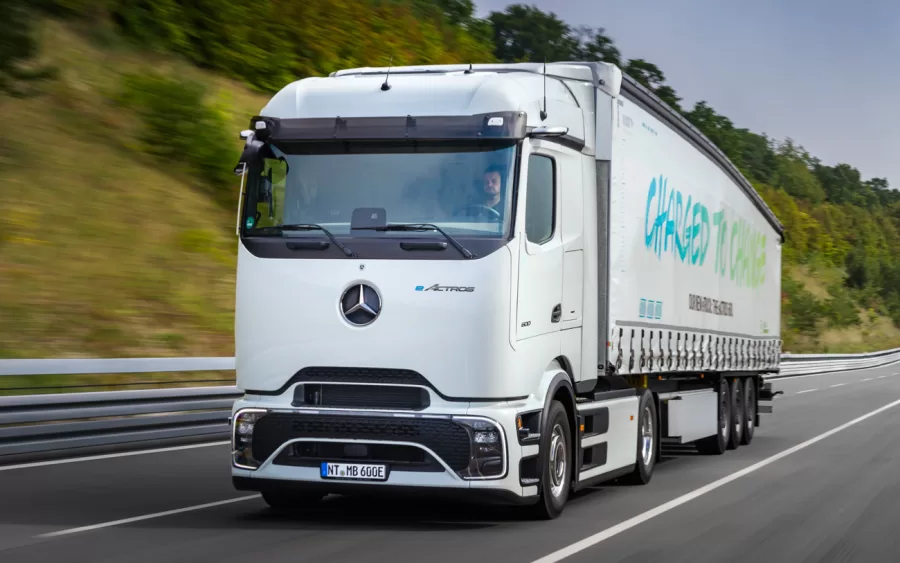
(491, 189)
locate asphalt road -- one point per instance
(826, 495)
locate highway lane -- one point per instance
(831, 500)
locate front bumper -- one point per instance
(427, 451)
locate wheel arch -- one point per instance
(562, 389)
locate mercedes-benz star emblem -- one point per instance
(360, 304)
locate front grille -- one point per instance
(361, 396)
(448, 440)
(400, 458)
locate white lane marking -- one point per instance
(867, 379)
(110, 456)
(838, 384)
(807, 391)
(145, 517)
(663, 508)
(881, 377)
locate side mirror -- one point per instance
(251, 152)
(549, 132)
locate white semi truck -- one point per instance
(512, 281)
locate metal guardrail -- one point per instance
(44, 423)
(56, 422)
(35, 424)
(808, 364)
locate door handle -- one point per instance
(557, 314)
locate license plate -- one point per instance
(356, 471)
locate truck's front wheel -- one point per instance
(555, 463)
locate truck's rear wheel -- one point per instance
(555, 463)
(646, 442)
(718, 442)
(749, 410)
(738, 413)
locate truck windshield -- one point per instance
(465, 189)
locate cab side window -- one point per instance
(540, 199)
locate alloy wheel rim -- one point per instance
(646, 436)
(557, 461)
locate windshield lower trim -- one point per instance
(368, 248)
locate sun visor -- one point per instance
(496, 125)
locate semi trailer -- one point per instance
(504, 281)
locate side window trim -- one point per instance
(554, 189)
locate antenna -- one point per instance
(385, 87)
(470, 70)
(544, 111)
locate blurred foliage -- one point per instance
(841, 282)
(270, 43)
(18, 48)
(179, 125)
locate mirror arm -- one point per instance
(244, 168)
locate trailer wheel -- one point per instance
(647, 442)
(749, 410)
(738, 413)
(555, 460)
(718, 443)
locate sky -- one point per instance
(822, 72)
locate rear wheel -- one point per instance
(646, 442)
(738, 413)
(718, 443)
(555, 463)
(749, 410)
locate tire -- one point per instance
(556, 448)
(647, 442)
(749, 410)
(738, 412)
(291, 502)
(718, 442)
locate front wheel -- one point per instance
(555, 463)
(646, 442)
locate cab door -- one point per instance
(540, 284)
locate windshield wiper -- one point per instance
(420, 227)
(306, 227)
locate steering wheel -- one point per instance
(481, 207)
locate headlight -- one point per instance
(488, 455)
(242, 437)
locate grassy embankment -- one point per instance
(106, 250)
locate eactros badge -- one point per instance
(439, 287)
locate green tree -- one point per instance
(595, 45)
(524, 33)
(650, 76)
